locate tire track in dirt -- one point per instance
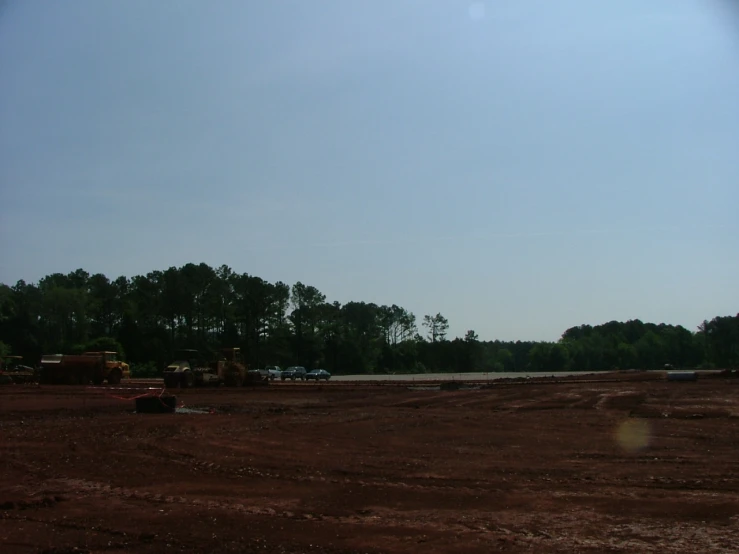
(550, 533)
(386, 475)
(419, 521)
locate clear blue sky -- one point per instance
(519, 166)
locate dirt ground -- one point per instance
(589, 465)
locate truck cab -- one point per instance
(112, 362)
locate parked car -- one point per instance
(274, 372)
(294, 372)
(258, 375)
(318, 374)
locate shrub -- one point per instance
(145, 370)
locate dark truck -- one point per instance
(294, 372)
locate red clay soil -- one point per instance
(630, 466)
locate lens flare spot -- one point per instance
(633, 435)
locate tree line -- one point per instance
(147, 317)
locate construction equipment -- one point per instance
(113, 363)
(12, 370)
(67, 369)
(236, 365)
(229, 369)
(188, 370)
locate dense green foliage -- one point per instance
(196, 306)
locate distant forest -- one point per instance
(146, 318)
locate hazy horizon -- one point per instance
(521, 167)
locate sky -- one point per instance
(520, 167)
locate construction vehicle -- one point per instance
(189, 370)
(68, 369)
(229, 369)
(113, 363)
(12, 370)
(235, 372)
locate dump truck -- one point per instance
(12, 370)
(228, 369)
(71, 369)
(113, 363)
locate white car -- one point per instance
(274, 372)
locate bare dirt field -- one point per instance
(599, 464)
